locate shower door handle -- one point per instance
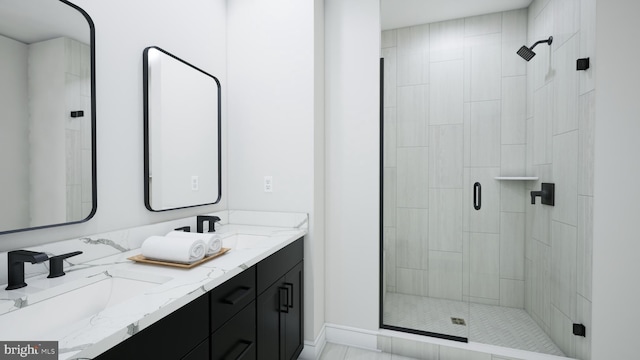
(477, 196)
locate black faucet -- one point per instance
(212, 220)
(15, 266)
(56, 266)
(547, 194)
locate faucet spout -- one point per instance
(546, 194)
(15, 266)
(535, 194)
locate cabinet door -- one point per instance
(271, 321)
(293, 318)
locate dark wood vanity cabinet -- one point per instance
(257, 314)
(280, 304)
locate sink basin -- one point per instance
(247, 241)
(63, 313)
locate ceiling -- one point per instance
(402, 13)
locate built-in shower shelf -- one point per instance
(517, 178)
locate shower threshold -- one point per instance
(487, 324)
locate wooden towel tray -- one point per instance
(142, 259)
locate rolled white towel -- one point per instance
(213, 241)
(173, 249)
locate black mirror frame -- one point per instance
(94, 189)
(145, 89)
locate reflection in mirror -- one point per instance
(182, 133)
(47, 115)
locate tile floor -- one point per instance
(487, 324)
(342, 352)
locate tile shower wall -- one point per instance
(454, 114)
(560, 143)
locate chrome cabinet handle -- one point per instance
(477, 196)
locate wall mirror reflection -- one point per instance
(47, 115)
(182, 123)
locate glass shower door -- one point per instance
(424, 286)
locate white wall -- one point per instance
(14, 145)
(194, 31)
(274, 110)
(617, 169)
(352, 52)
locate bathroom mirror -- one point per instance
(47, 115)
(182, 120)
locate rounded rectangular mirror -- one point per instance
(182, 121)
(47, 115)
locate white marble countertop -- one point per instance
(166, 289)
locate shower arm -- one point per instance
(548, 41)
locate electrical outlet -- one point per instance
(268, 184)
(194, 183)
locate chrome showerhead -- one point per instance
(527, 52)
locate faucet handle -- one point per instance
(212, 220)
(56, 268)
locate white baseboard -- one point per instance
(313, 350)
(345, 335)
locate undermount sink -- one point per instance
(247, 241)
(63, 313)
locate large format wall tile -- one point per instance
(483, 24)
(390, 246)
(512, 293)
(587, 122)
(484, 263)
(389, 203)
(541, 283)
(447, 40)
(514, 35)
(411, 238)
(390, 79)
(446, 93)
(412, 282)
(445, 219)
(445, 275)
(514, 110)
(566, 21)
(512, 160)
(446, 156)
(587, 42)
(390, 144)
(485, 133)
(388, 39)
(563, 267)
(543, 101)
(585, 246)
(565, 87)
(565, 175)
(486, 67)
(413, 55)
(512, 246)
(413, 116)
(413, 179)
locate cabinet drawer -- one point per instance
(201, 352)
(275, 266)
(236, 339)
(232, 296)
